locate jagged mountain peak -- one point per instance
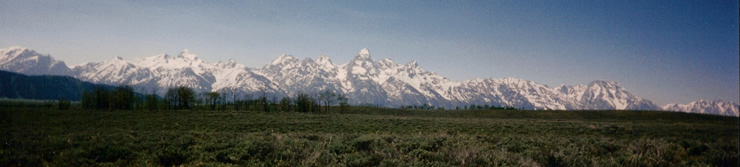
(602, 94)
(325, 62)
(184, 59)
(324, 59)
(230, 61)
(413, 63)
(364, 53)
(609, 88)
(389, 60)
(705, 101)
(388, 63)
(603, 83)
(18, 51)
(284, 59)
(515, 81)
(228, 64)
(364, 67)
(572, 90)
(413, 68)
(717, 107)
(17, 47)
(14, 49)
(27, 61)
(188, 55)
(115, 60)
(161, 56)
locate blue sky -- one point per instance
(665, 51)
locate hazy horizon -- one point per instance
(663, 51)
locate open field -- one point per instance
(33, 136)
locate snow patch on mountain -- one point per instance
(716, 107)
(26, 61)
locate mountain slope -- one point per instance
(295, 76)
(19, 86)
(29, 62)
(159, 72)
(363, 79)
(702, 106)
(603, 94)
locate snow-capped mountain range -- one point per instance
(363, 80)
(716, 107)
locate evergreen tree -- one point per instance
(186, 96)
(64, 104)
(123, 98)
(213, 99)
(170, 99)
(179, 98)
(263, 100)
(343, 102)
(285, 104)
(151, 102)
(328, 98)
(305, 103)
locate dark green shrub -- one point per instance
(363, 160)
(261, 150)
(326, 158)
(601, 148)
(554, 160)
(339, 148)
(433, 144)
(312, 137)
(109, 154)
(515, 146)
(425, 155)
(172, 156)
(698, 149)
(64, 104)
(229, 156)
(389, 139)
(364, 144)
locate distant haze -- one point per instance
(665, 51)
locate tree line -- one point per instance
(465, 107)
(120, 98)
(185, 98)
(485, 107)
(421, 107)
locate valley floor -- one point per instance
(365, 137)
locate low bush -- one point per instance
(172, 156)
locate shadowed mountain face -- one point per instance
(19, 86)
(364, 80)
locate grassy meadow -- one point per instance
(35, 135)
